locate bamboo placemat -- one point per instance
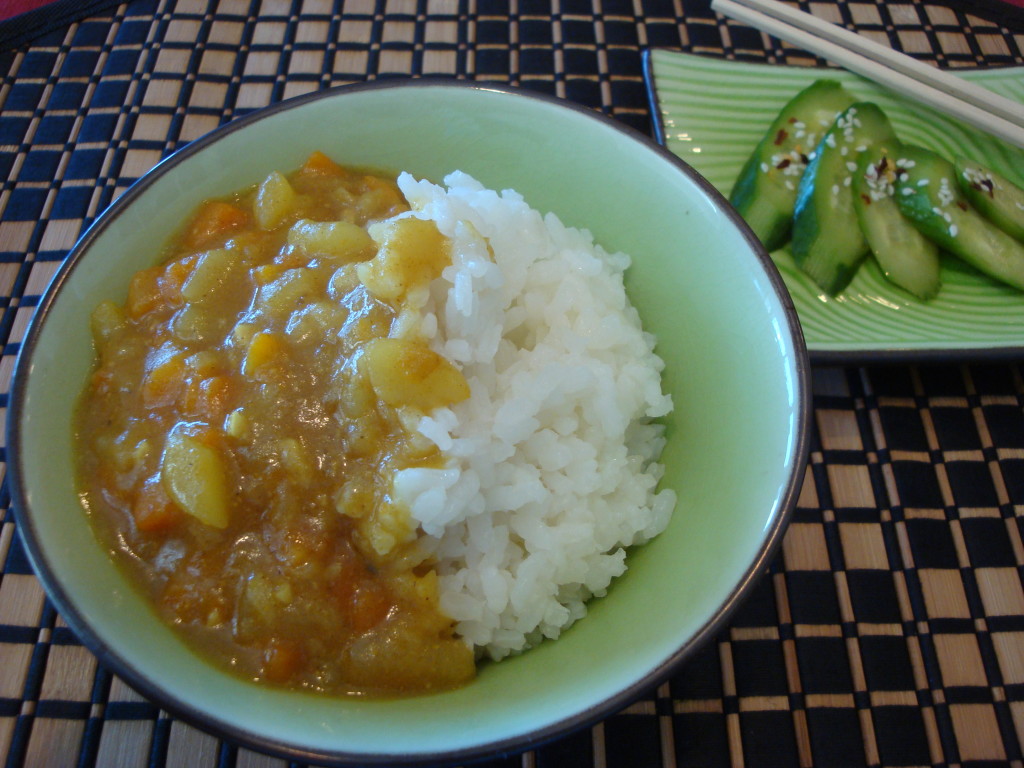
(889, 629)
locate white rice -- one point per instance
(552, 461)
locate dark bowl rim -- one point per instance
(81, 626)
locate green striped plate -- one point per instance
(711, 112)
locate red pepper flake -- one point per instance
(784, 163)
(792, 120)
(804, 158)
(866, 199)
(961, 205)
(780, 136)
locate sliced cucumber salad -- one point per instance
(928, 195)
(831, 175)
(828, 243)
(907, 258)
(765, 192)
(998, 200)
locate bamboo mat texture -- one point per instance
(889, 629)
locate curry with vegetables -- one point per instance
(251, 400)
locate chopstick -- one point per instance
(944, 92)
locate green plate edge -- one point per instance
(711, 112)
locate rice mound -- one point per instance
(552, 462)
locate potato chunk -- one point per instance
(293, 289)
(211, 295)
(211, 274)
(409, 657)
(409, 373)
(107, 321)
(412, 252)
(275, 201)
(193, 475)
(339, 239)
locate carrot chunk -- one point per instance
(213, 222)
(320, 164)
(214, 398)
(173, 276)
(381, 198)
(208, 435)
(164, 382)
(153, 509)
(281, 660)
(370, 605)
(189, 396)
(143, 292)
(102, 380)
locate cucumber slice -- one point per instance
(765, 191)
(907, 258)
(928, 195)
(996, 198)
(827, 240)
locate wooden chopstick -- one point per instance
(944, 92)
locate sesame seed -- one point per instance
(847, 181)
(764, 167)
(851, 166)
(835, 190)
(789, 185)
(907, 191)
(952, 230)
(924, 182)
(945, 194)
(976, 176)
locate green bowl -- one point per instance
(736, 368)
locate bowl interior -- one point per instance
(733, 367)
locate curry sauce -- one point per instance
(252, 399)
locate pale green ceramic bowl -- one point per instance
(736, 367)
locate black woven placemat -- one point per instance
(889, 629)
(21, 25)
